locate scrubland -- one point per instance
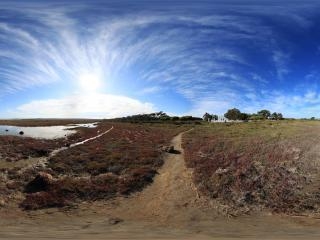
(254, 166)
(264, 175)
(246, 167)
(121, 162)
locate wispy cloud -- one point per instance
(80, 106)
(281, 61)
(151, 90)
(215, 56)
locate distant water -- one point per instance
(87, 125)
(50, 132)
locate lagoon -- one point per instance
(49, 132)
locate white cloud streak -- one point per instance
(83, 106)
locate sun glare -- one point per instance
(89, 82)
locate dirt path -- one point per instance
(170, 208)
(171, 198)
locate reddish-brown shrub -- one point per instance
(251, 164)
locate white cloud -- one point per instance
(306, 104)
(281, 60)
(213, 106)
(150, 90)
(312, 97)
(79, 106)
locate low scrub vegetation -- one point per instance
(120, 162)
(257, 165)
(70, 190)
(126, 147)
(14, 148)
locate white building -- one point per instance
(221, 119)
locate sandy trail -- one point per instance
(170, 208)
(170, 199)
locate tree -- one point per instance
(280, 116)
(274, 116)
(160, 114)
(187, 118)
(214, 117)
(164, 117)
(255, 117)
(206, 117)
(233, 114)
(244, 116)
(175, 118)
(264, 113)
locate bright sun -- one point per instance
(89, 82)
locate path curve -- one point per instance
(171, 198)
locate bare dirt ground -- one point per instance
(170, 208)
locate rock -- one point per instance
(2, 203)
(293, 170)
(221, 171)
(40, 183)
(247, 197)
(108, 175)
(114, 221)
(13, 185)
(21, 132)
(41, 152)
(168, 149)
(115, 169)
(7, 130)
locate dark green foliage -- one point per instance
(265, 114)
(244, 116)
(233, 114)
(214, 117)
(255, 117)
(276, 116)
(208, 117)
(157, 117)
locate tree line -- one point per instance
(236, 114)
(156, 117)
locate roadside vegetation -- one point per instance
(257, 165)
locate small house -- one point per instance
(221, 119)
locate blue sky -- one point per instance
(116, 58)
